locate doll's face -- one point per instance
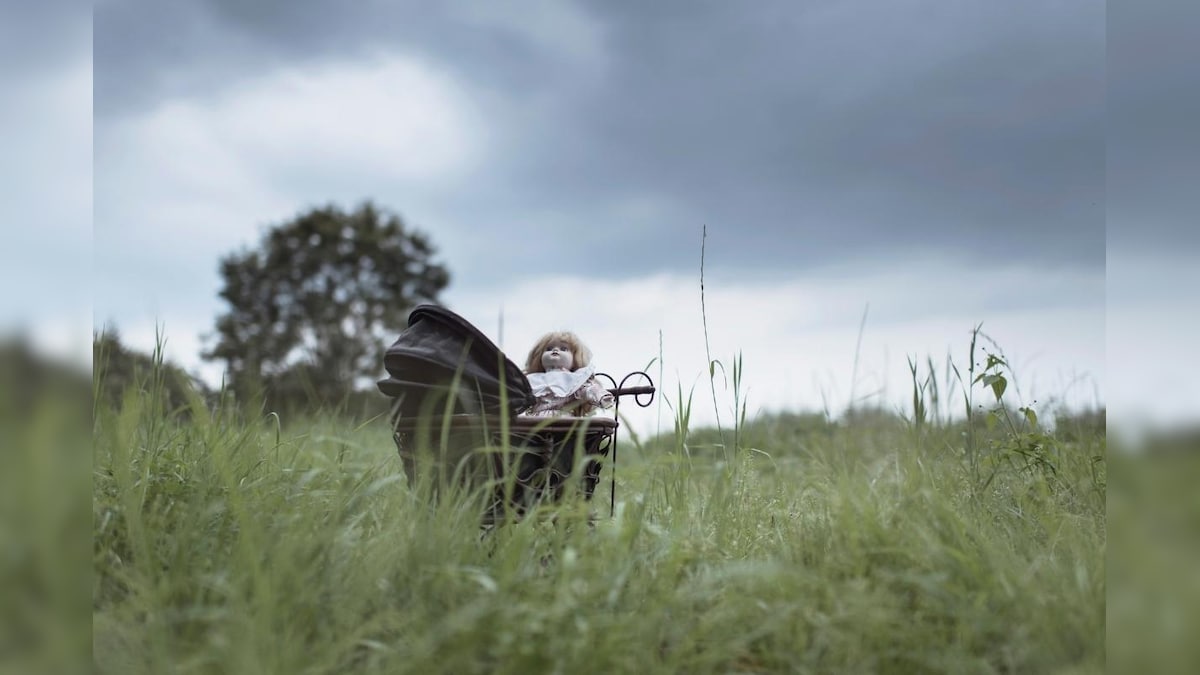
(557, 357)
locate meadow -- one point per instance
(875, 542)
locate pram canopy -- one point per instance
(452, 386)
(441, 356)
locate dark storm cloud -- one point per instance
(149, 50)
(41, 37)
(837, 130)
(1153, 144)
(800, 133)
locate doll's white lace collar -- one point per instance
(559, 382)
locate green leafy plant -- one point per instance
(1022, 443)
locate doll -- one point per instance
(560, 372)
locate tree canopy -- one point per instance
(312, 308)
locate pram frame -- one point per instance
(528, 459)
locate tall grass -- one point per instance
(44, 478)
(224, 544)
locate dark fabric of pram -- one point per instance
(442, 359)
(457, 402)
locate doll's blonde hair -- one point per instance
(580, 354)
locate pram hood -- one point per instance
(442, 354)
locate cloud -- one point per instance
(45, 255)
(188, 181)
(558, 28)
(47, 133)
(945, 165)
(212, 43)
(1151, 330)
(392, 117)
(39, 39)
(821, 132)
(395, 118)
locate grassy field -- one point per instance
(870, 544)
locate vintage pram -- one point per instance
(457, 409)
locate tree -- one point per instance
(311, 309)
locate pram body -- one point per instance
(457, 404)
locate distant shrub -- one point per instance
(117, 368)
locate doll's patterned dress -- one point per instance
(560, 392)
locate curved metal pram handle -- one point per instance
(619, 390)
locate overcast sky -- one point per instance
(942, 163)
(46, 171)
